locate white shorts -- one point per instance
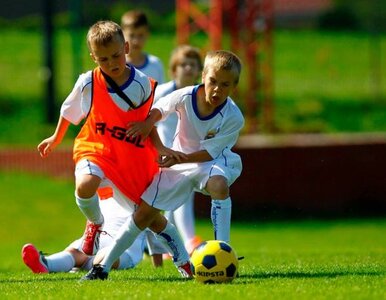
(171, 187)
(112, 213)
(87, 167)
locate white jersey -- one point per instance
(78, 103)
(166, 128)
(216, 133)
(153, 68)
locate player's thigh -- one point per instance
(170, 189)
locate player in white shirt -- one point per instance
(72, 256)
(209, 123)
(185, 66)
(135, 27)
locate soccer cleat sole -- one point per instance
(31, 258)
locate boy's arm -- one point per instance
(49, 144)
(194, 157)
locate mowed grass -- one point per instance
(303, 259)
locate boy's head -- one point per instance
(185, 64)
(223, 60)
(103, 33)
(108, 47)
(220, 76)
(135, 27)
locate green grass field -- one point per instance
(303, 259)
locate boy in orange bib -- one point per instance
(109, 98)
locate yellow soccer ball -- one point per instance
(214, 262)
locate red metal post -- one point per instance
(215, 24)
(182, 21)
(250, 24)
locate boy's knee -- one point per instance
(87, 187)
(79, 257)
(218, 188)
(84, 191)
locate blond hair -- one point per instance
(103, 32)
(184, 51)
(223, 60)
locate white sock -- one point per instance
(90, 208)
(172, 241)
(123, 240)
(133, 255)
(60, 262)
(221, 218)
(184, 220)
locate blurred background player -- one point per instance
(73, 258)
(136, 30)
(185, 67)
(135, 27)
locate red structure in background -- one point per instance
(250, 24)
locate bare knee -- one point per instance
(145, 215)
(79, 257)
(87, 185)
(217, 187)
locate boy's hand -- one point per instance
(167, 161)
(46, 146)
(141, 129)
(170, 157)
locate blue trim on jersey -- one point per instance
(225, 158)
(144, 65)
(195, 108)
(156, 193)
(127, 83)
(86, 85)
(174, 86)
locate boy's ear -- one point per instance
(127, 47)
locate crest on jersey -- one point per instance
(211, 133)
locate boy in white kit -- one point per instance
(208, 127)
(72, 256)
(135, 27)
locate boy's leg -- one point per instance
(221, 218)
(184, 221)
(87, 198)
(88, 179)
(123, 240)
(172, 241)
(221, 209)
(58, 262)
(155, 248)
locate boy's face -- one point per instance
(219, 84)
(111, 58)
(187, 70)
(136, 37)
